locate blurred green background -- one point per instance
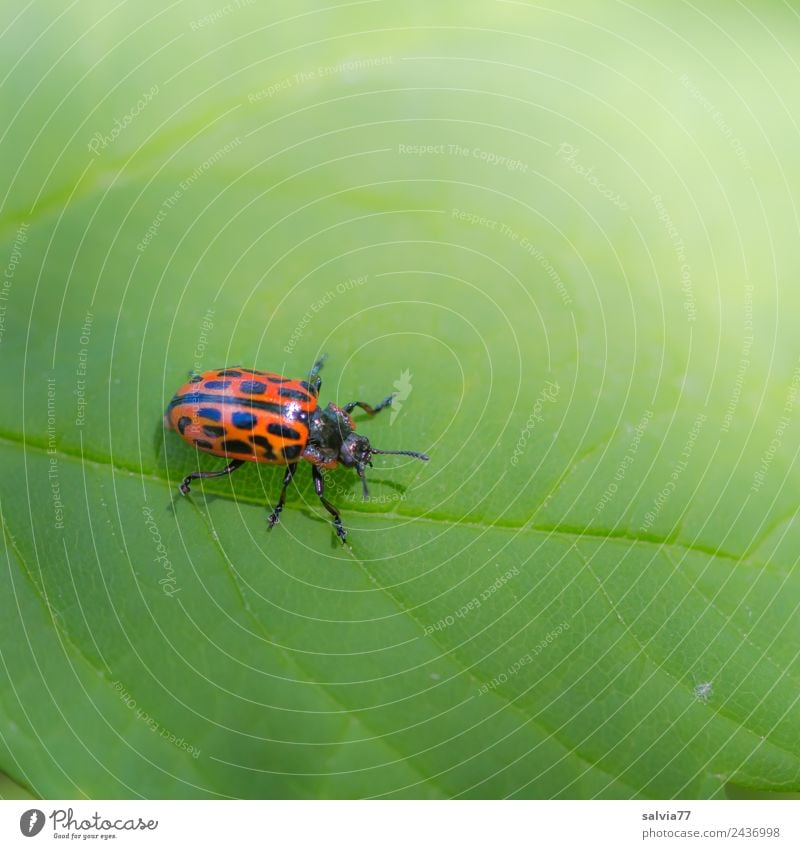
(568, 237)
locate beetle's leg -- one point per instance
(319, 486)
(367, 408)
(314, 380)
(275, 516)
(231, 467)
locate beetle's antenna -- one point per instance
(407, 453)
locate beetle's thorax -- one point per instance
(329, 427)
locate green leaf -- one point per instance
(567, 240)
(10, 790)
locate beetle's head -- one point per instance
(356, 452)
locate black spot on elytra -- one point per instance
(276, 378)
(283, 431)
(292, 452)
(245, 420)
(229, 372)
(253, 387)
(264, 443)
(213, 430)
(306, 385)
(214, 414)
(217, 384)
(250, 370)
(204, 444)
(294, 394)
(236, 446)
(183, 421)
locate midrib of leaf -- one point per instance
(561, 531)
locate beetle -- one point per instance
(246, 415)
